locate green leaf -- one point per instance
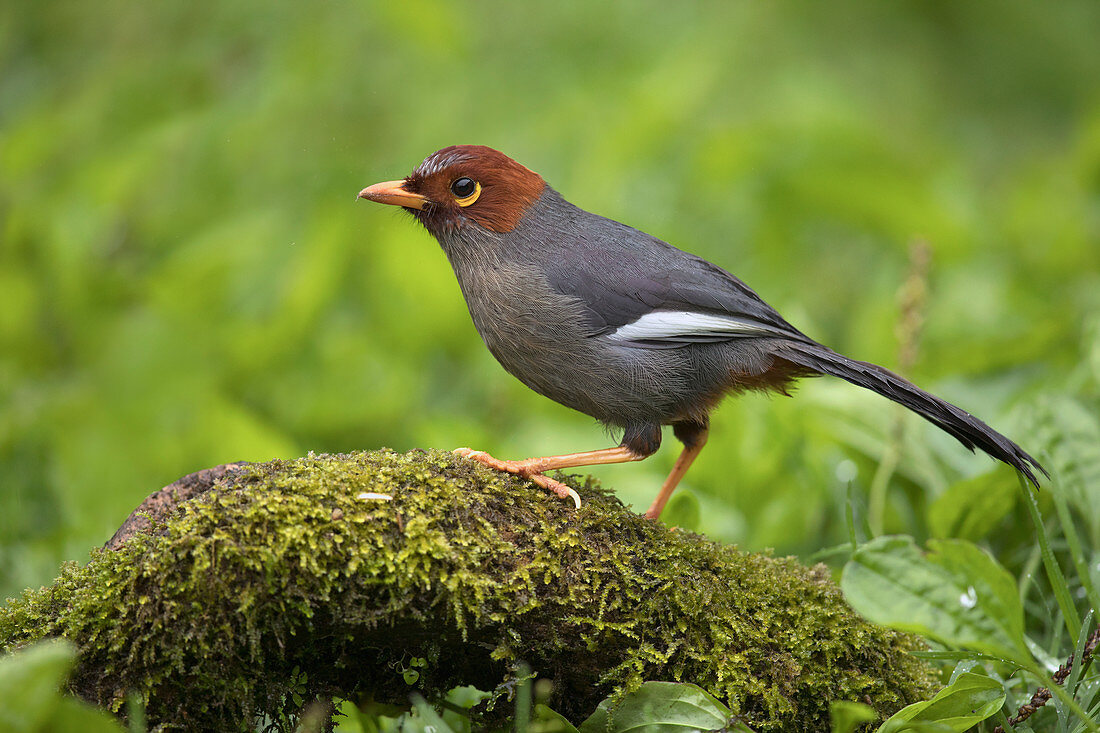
(546, 720)
(970, 699)
(1071, 432)
(660, 707)
(424, 719)
(466, 696)
(847, 716)
(29, 683)
(30, 693)
(76, 716)
(970, 509)
(956, 594)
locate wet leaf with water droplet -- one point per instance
(955, 593)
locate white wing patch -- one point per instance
(661, 325)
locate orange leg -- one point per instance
(533, 468)
(683, 463)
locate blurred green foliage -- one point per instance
(185, 278)
(30, 701)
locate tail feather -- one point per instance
(967, 429)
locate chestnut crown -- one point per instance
(461, 184)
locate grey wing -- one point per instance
(657, 296)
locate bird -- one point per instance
(620, 325)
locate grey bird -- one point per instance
(620, 325)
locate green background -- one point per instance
(186, 278)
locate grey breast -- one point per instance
(539, 334)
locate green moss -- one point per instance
(280, 584)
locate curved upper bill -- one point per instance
(393, 192)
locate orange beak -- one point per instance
(393, 192)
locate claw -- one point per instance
(563, 491)
(519, 469)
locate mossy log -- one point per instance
(241, 593)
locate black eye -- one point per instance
(463, 187)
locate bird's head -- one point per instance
(462, 186)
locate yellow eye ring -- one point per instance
(465, 191)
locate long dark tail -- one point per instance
(967, 429)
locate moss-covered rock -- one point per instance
(281, 583)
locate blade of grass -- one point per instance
(1027, 573)
(1003, 719)
(865, 526)
(850, 515)
(523, 699)
(1066, 699)
(876, 496)
(135, 711)
(1078, 665)
(1069, 530)
(1094, 713)
(1050, 563)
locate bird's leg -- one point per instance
(640, 440)
(694, 437)
(534, 468)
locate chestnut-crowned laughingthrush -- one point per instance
(618, 324)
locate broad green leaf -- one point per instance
(918, 726)
(846, 716)
(956, 594)
(425, 719)
(661, 707)
(970, 509)
(76, 716)
(600, 720)
(546, 720)
(30, 680)
(466, 696)
(970, 699)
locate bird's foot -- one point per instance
(528, 469)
